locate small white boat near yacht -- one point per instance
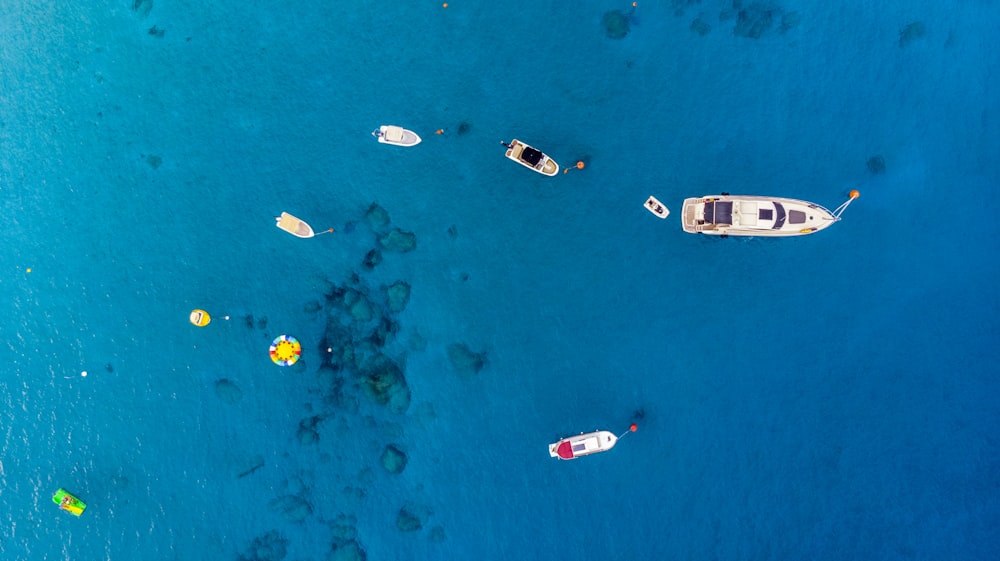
(391, 134)
(533, 159)
(751, 215)
(658, 209)
(584, 444)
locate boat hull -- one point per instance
(751, 215)
(518, 150)
(583, 444)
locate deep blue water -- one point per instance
(826, 397)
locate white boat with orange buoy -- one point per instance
(398, 136)
(585, 444)
(533, 159)
(751, 215)
(296, 226)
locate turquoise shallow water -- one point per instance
(822, 397)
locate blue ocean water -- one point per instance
(826, 397)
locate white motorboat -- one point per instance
(584, 444)
(391, 134)
(751, 215)
(296, 227)
(531, 158)
(656, 207)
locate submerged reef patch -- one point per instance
(399, 241)
(397, 296)
(412, 517)
(271, 546)
(227, 391)
(616, 23)
(876, 165)
(753, 20)
(376, 217)
(142, 7)
(701, 27)
(911, 32)
(465, 361)
(393, 459)
(293, 507)
(349, 550)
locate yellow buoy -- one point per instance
(200, 318)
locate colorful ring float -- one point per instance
(285, 350)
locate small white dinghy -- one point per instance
(296, 226)
(391, 134)
(657, 208)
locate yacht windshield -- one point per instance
(780, 221)
(719, 212)
(531, 156)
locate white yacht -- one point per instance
(391, 134)
(531, 158)
(751, 215)
(584, 444)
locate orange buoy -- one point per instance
(633, 427)
(439, 131)
(445, 5)
(634, 4)
(855, 194)
(579, 165)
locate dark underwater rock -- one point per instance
(142, 7)
(349, 550)
(753, 20)
(876, 165)
(250, 465)
(789, 21)
(393, 459)
(616, 24)
(307, 432)
(412, 517)
(372, 258)
(700, 27)
(293, 507)
(153, 160)
(466, 362)
(271, 546)
(227, 391)
(157, 32)
(436, 534)
(911, 33)
(464, 127)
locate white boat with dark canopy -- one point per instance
(398, 136)
(531, 158)
(585, 444)
(751, 215)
